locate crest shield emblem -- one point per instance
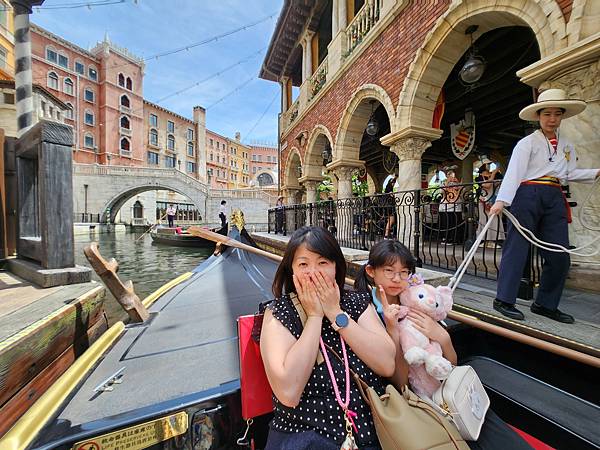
(462, 136)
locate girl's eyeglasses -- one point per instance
(390, 274)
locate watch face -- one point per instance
(341, 320)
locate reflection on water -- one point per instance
(148, 265)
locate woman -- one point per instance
(532, 186)
(487, 194)
(312, 410)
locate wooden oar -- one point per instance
(150, 229)
(459, 317)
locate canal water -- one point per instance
(146, 264)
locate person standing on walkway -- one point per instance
(223, 213)
(540, 163)
(171, 211)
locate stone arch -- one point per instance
(313, 160)
(585, 15)
(115, 204)
(355, 117)
(445, 44)
(290, 176)
(265, 172)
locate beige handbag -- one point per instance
(464, 399)
(405, 422)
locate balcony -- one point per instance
(124, 109)
(342, 52)
(124, 131)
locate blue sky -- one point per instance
(154, 26)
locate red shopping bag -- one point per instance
(256, 391)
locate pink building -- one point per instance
(103, 89)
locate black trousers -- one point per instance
(223, 219)
(541, 209)
(171, 220)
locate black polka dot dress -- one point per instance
(318, 409)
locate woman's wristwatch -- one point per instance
(341, 321)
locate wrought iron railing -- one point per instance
(438, 225)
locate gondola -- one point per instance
(170, 236)
(173, 381)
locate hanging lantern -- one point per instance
(474, 67)
(372, 124)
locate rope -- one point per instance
(530, 237)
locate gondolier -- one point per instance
(539, 165)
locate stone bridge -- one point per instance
(104, 189)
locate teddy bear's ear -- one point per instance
(445, 294)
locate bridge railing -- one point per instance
(244, 194)
(86, 218)
(95, 169)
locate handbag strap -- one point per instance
(363, 386)
(303, 318)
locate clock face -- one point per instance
(390, 161)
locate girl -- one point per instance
(310, 409)
(385, 276)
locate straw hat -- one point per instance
(553, 98)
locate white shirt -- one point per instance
(530, 160)
(171, 211)
(223, 209)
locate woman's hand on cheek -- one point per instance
(307, 294)
(329, 293)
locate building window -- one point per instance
(63, 61)
(89, 95)
(9, 98)
(3, 54)
(171, 143)
(125, 123)
(152, 158)
(153, 120)
(129, 84)
(210, 156)
(89, 117)
(259, 158)
(52, 80)
(68, 86)
(154, 137)
(92, 74)
(69, 111)
(211, 142)
(124, 145)
(190, 149)
(51, 55)
(121, 80)
(274, 159)
(190, 134)
(170, 127)
(254, 170)
(170, 161)
(268, 158)
(191, 167)
(79, 68)
(125, 101)
(88, 141)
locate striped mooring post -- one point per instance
(23, 78)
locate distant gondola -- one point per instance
(179, 371)
(171, 236)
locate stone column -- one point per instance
(343, 211)
(284, 97)
(344, 176)
(582, 131)
(311, 199)
(342, 15)
(307, 52)
(409, 145)
(409, 151)
(335, 18)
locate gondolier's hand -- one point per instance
(307, 294)
(497, 208)
(329, 293)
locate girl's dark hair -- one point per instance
(318, 240)
(384, 253)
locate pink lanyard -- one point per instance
(348, 414)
